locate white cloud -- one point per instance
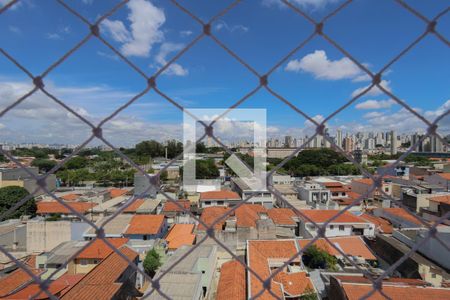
(53, 36)
(146, 20)
(174, 68)
(310, 4)
(375, 104)
(40, 119)
(373, 114)
(59, 35)
(89, 2)
(107, 55)
(374, 91)
(14, 29)
(222, 25)
(117, 30)
(186, 33)
(318, 64)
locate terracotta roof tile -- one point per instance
(381, 224)
(332, 184)
(282, 216)
(357, 291)
(145, 224)
(179, 235)
(117, 192)
(70, 197)
(211, 214)
(232, 282)
(323, 215)
(170, 206)
(444, 199)
(99, 249)
(366, 181)
(294, 284)
(14, 280)
(259, 253)
(446, 176)
(248, 214)
(219, 195)
(134, 206)
(352, 246)
(100, 283)
(54, 207)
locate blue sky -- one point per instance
(318, 79)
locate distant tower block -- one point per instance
(393, 143)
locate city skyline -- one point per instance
(318, 79)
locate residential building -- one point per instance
(398, 217)
(20, 177)
(51, 208)
(189, 278)
(440, 179)
(113, 278)
(265, 258)
(438, 207)
(180, 235)
(219, 198)
(232, 284)
(315, 194)
(263, 197)
(177, 212)
(346, 224)
(146, 227)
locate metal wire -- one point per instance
(151, 84)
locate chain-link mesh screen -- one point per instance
(318, 29)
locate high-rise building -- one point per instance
(288, 141)
(393, 143)
(349, 145)
(338, 139)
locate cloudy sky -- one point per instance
(318, 79)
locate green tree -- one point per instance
(316, 258)
(44, 165)
(152, 262)
(10, 195)
(150, 148)
(77, 162)
(2, 158)
(309, 294)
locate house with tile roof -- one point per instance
(266, 258)
(399, 217)
(177, 212)
(219, 198)
(93, 254)
(346, 224)
(232, 281)
(342, 288)
(49, 208)
(113, 278)
(263, 197)
(180, 235)
(438, 207)
(146, 227)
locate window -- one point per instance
(219, 202)
(207, 202)
(331, 227)
(83, 262)
(341, 228)
(203, 271)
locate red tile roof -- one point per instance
(444, 199)
(14, 280)
(232, 282)
(381, 224)
(332, 184)
(386, 281)
(282, 216)
(219, 195)
(366, 181)
(323, 215)
(351, 245)
(294, 284)
(134, 206)
(99, 249)
(117, 192)
(100, 283)
(179, 235)
(248, 214)
(211, 214)
(145, 224)
(259, 253)
(170, 206)
(357, 291)
(70, 197)
(54, 207)
(446, 176)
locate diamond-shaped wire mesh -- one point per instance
(318, 30)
